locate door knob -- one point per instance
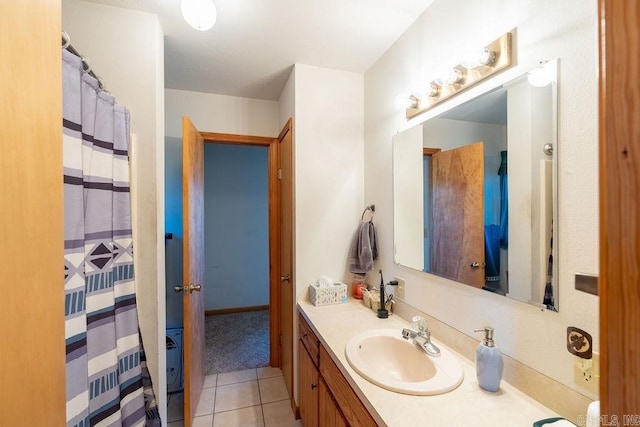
(475, 265)
(187, 289)
(285, 278)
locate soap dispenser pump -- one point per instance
(489, 362)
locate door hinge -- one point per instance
(280, 340)
(279, 173)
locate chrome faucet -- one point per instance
(421, 336)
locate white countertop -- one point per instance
(467, 405)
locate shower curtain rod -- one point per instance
(86, 64)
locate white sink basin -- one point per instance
(386, 359)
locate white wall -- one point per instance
(220, 113)
(287, 102)
(546, 29)
(329, 168)
(126, 49)
(448, 134)
(236, 226)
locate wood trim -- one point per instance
(32, 358)
(348, 401)
(288, 127)
(275, 298)
(619, 36)
(227, 138)
(246, 309)
(274, 228)
(428, 152)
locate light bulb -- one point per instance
(199, 14)
(429, 90)
(433, 90)
(476, 57)
(449, 77)
(404, 101)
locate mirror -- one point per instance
(474, 191)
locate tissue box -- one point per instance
(336, 294)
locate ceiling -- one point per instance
(254, 44)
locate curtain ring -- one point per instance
(66, 40)
(86, 64)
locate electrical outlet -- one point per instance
(586, 373)
(399, 291)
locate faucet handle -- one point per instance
(418, 323)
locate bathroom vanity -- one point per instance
(325, 395)
(332, 393)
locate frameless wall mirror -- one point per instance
(475, 191)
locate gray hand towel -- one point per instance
(364, 249)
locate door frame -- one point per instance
(619, 186)
(275, 299)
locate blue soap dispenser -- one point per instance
(489, 362)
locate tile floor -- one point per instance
(255, 397)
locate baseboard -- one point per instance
(236, 310)
(295, 408)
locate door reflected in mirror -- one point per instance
(478, 205)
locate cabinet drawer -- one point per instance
(347, 400)
(308, 338)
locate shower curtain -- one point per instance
(104, 378)
(504, 201)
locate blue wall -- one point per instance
(173, 224)
(236, 227)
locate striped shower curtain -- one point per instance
(103, 348)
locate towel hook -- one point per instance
(371, 208)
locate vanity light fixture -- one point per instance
(199, 14)
(476, 66)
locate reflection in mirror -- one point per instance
(479, 208)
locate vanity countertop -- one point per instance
(467, 405)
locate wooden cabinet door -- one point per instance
(346, 398)
(330, 414)
(308, 388)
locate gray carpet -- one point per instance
(237, 341)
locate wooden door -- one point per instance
(330, 413)
(307, 388)
(287, 283)
(193, 265)
(32, 353)
(457, 222)
(619, 284)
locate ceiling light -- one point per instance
(200, 14)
